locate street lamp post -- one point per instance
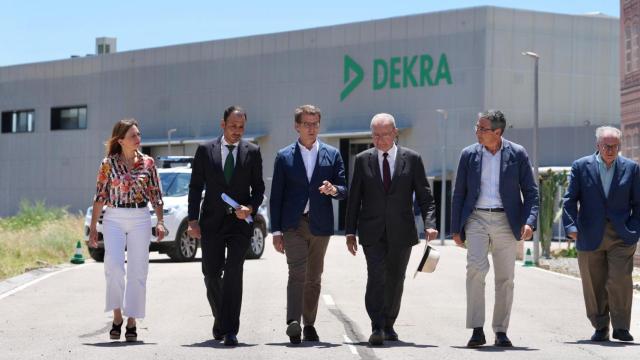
(443, 186)
(171, 131)
(536, 235)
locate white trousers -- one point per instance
(131, 229)
(489, 231)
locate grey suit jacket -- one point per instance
(373, 213)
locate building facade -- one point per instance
(630, 77)
(56, 115)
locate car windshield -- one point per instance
(175, 184)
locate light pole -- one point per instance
(171, 131)
(536, 234)
(443, 185)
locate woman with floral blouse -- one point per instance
(127, 183)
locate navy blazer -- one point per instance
(290, 189)
(518, 190)
(621, 207)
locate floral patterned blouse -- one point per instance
(117, 184)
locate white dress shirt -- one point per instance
(391, 158)
(490, 180)
(309, 158)
(225, 151)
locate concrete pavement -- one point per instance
(61, 317)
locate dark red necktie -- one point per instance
(386, 173)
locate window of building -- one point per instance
(67, 118)
(17, 121)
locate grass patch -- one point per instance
(567, 253)
(37, 237)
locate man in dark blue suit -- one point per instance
(606, 227)
(307, 175)
(495, 203)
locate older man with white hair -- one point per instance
(606, 226)
(380, 209)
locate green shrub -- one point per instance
(37, 237)
(32, 215)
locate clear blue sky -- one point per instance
(41, 30)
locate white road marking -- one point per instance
(328, 300)
(353, 349)
(35, 281)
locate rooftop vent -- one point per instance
(105, 45)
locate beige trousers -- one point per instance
(607, 283)
(489, 231)
(305, 257)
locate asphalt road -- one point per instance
(60, 316)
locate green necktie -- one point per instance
(229, 164)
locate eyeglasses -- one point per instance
(481, 129)
(606, 147)
(310, 125)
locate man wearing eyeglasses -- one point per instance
(307, 175)
(605, 226)
(495, 204)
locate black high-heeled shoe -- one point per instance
(131, 335)
(116, 330)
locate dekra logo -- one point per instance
(397, 72)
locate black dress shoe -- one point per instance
(390, 334)
(622, 335)
(230, 340)
(309, 333)
(502, 340)
(477, 338)
(600, 335)
(376, 338)
(293, 331)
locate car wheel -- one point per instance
(185, 247)
(256, 247)
(96, 254)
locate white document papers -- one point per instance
(234, 204)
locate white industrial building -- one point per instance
(57, 114)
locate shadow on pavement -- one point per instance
(602, 343)
(217, 344)
(306, 344)
(168, 261)
(392, 344)
(490, 348)
(119, 343)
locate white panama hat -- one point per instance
(429, 260)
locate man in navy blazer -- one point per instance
(307, 175)
(495, 203)
(606, 227)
